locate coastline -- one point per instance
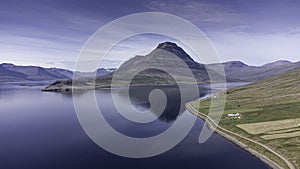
(68, 88)
(224, 133)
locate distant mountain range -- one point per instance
(242, 72)
(155, 68)
(13, 73)
(164, 56)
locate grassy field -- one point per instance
(270, 113)
(270, 126)
(283, 131)
(281, 135)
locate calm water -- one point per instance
(40, 131)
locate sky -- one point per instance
(51, 33)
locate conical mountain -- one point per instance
(167, 64)
(166, 60)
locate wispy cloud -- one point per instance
(255, 32)
(71, 64)
(199, 12)
(257, 48)
(40, 32)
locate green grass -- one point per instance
(272, 99)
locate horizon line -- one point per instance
(49, 67)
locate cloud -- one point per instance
(38, 33)
(256, 32)
(257, 48)
(198, 12)
(104, 64)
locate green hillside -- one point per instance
(274, 98)
(269, 113)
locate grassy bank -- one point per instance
(269, 112)
(256, 149)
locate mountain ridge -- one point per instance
(244, 72)
(164, 56)
(167, 55)
(14, 73)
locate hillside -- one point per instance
(269, 113)
(10, 73)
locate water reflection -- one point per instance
(45, 127)
(175, 105)
(0, 91)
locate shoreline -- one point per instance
(69, 89)
(222, 132)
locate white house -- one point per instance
(234, 115)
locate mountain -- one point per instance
(8, 75)
(154, 68)
(10, 72)
(170, 58)
(13, 73)
(278, 63)
(99, 72)
(176, 62)
(234, 64)
(241, 71)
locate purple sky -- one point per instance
(51, 33)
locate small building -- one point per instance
(216, 96)
(234, 116)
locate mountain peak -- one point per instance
(278, 63)
(175, 49)
(167, 45)
(7, 64)
(235, 64)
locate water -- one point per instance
(40, 130)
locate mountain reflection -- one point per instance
(175, 105)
